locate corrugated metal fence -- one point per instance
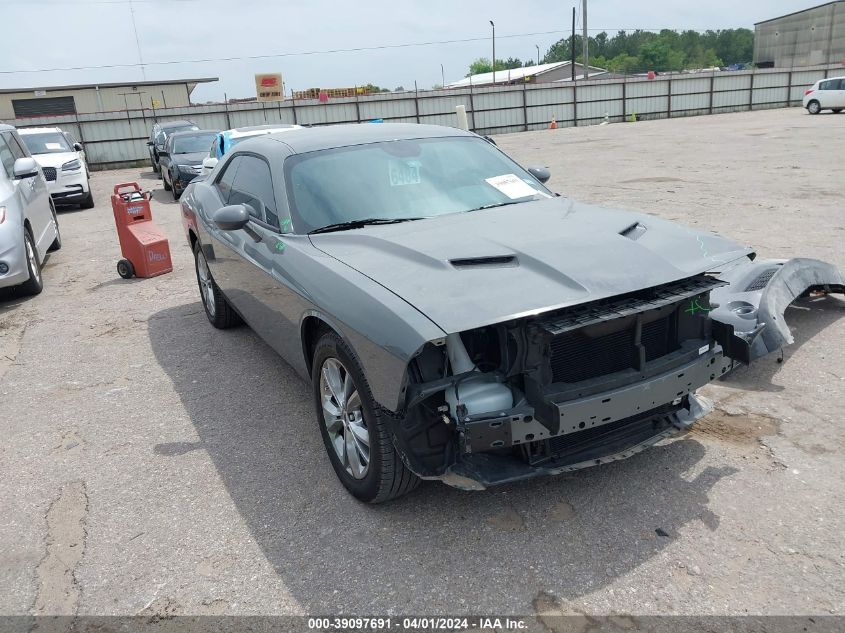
(116, 139)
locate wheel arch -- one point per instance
(193, 238)
(313, 326)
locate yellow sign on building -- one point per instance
(269, 87)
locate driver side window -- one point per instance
(224, 182)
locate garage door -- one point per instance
(45, 106)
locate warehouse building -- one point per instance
(804, 38)
(16, 103)
(543, 73)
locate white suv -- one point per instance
(826, 94)
(63, 162)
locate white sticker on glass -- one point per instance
(512, 186)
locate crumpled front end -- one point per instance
(596, 382)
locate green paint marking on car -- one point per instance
(695, 307)
(280, 246)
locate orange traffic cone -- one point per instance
(553, 124)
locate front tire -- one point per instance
(837, 110)
(220, 314)
(34, 285)
(88, 202)
(814, 107)
(164, 180)
(355, 430)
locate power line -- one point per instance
(84, 2)
(273, 55)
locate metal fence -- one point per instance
(115, 139)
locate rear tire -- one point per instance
(814, 107)
(220, 314)
(385, 476)
(34, 285)
(57, 243)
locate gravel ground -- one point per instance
(154, 465)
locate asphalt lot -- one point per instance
(153, 465)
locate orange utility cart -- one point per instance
(143, 245)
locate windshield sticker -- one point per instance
(405, 172)
(53, 145)
(512, 186)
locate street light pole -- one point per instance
(442, 77)
(494, 51)
(537, 46)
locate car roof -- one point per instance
(192, 133)
(253, 130)
(168, 124)
(5, 128)
(38, 130)
(332, 136)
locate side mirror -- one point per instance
(150, 143)
(25, 168)
(540, 173)
(232, 217)
(161, 152)
(77, 147)
(208, 164)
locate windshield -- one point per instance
(193, 144)
(404, 179)
(46, 143)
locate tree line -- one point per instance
(640, 51)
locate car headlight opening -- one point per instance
(72, 165)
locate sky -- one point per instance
(59, 34)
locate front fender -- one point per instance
(759, 292)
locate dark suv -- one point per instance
(159, 134)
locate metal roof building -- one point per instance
(804, 38)
(558, 71)
(16, 103)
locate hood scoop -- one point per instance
(633, 232)
(486, 262)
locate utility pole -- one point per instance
(537, 46)
(572, 46)
(494, 51)
(586, 40)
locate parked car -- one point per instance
(62, 160)
(181, 159)
(159, 134)
(28, 224)
(228, 139)
(826, 94)
(458, 320)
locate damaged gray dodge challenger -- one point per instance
(457, 319)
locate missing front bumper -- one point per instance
(520, 426)
(596, 446)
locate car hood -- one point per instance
(189, 159)
(466, 270)
(55, 160)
